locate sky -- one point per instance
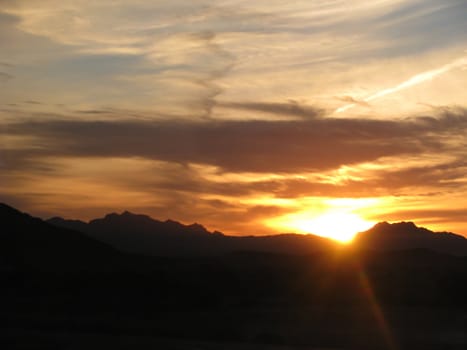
(249, 117)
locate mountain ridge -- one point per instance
(383, 236)
(141, 234)
(137, 233)
(406, 235)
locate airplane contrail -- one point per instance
(415, 80)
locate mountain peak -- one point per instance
(407, 235)
(126, 215)
(197, 227)
(402, 227)
(406, 225)
(111, 216)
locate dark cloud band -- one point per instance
(246, 146)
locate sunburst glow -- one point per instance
(340, 226)
(336, 224)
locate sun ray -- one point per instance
(376, 309)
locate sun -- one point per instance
(339, 225)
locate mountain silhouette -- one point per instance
(406, 235)
(118, 224)
(30, 238)
(31, 241)
(141, 234)
(192, 291)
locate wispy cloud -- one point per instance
(5, 76)
(415, 80)
(195, 56)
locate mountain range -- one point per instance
(135, 233)
(74, 284)
(141, 234)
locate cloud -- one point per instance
(247, 146)
(89, 187)
(435, 215)
(5, 76)
(438, 177)
(284, 110)
(418, 18)
(412, 81)
(177, 57)
(407, 181)
(189, 170)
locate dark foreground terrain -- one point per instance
(83, 294)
